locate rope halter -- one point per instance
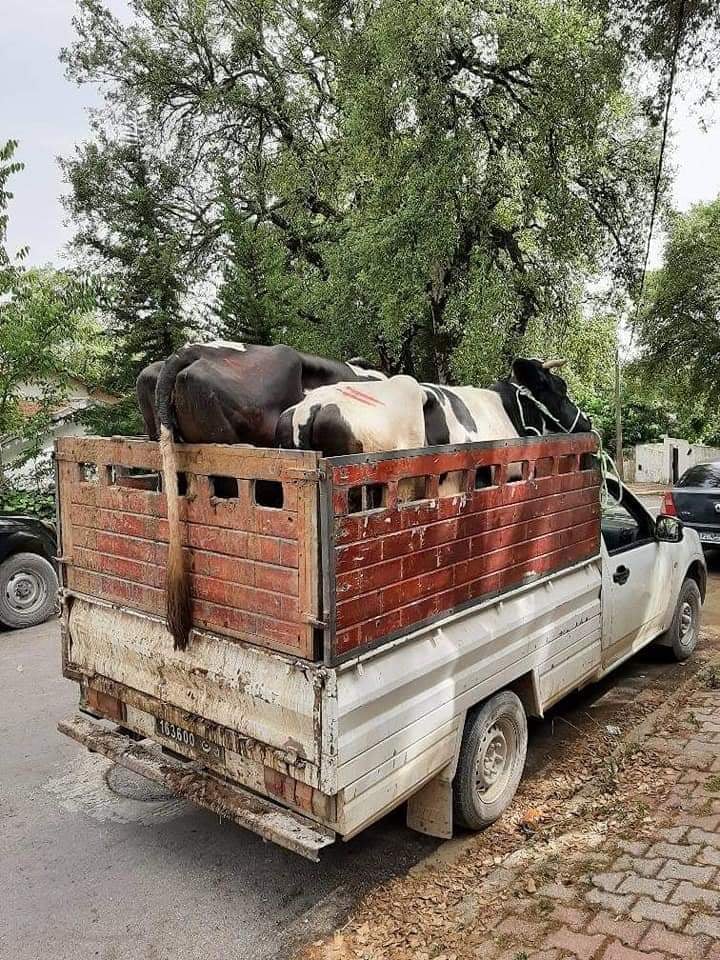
(606, 462)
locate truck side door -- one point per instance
(633, 581)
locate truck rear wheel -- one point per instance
(28, 588)
(492, 759)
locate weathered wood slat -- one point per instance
(255, 548)
(208, 580)
(145, 562)
(402, 465)
(229, 516)
(367, 577)
(200, 459)
(370, 631)
(513, 518)
(236, 512)
(286, 636)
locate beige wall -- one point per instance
(654, 461)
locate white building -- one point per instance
(78, 396)
(667, 461)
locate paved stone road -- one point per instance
(612, 854)
(653, 898)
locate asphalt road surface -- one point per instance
(95, 863)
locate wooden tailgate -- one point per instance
(249, 521)
(393, 564)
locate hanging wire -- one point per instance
(661, 159)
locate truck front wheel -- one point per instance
(682, 637)
(491, 762)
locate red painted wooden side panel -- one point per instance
(404, 564)
(247, 565)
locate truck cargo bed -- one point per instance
(323, 559)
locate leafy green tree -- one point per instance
(678, 328)
(9, 263)
(45, 316)
(46, 324)
(649, 29)
(257, 299)
(126, 204)
(424, 182)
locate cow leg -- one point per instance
(145, 389)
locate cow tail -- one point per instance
(178, 599)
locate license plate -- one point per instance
(709, 537)
(198, 746)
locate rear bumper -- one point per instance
(709, 534)
(193, 782)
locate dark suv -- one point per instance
(28, 582)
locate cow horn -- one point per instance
(553, 364)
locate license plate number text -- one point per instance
(198, 746)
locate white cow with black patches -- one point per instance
(359, 417)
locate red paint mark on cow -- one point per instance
(362, 397)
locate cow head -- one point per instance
(550, 390)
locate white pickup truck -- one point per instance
(353, 650)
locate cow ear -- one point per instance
(526, 373)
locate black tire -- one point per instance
(28, 590)
(684, 632)
(491, 763)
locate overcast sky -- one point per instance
(47, 114)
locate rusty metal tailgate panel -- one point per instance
(193, 782)
(261, 694)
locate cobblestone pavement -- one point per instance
(629, 870)
(653, 898)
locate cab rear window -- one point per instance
(702, 475)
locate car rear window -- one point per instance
(702, 475)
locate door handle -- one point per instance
(621, 575)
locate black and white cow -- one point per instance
(401, 414)
(533, 402)
(345, 418)
(223, 392)
(226, 392)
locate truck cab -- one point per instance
(646, 563)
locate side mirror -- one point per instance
(668, 529)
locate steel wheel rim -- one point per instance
(494, 762)
(25, 592)
(687, 622)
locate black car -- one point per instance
(28, 581)
(695, 499)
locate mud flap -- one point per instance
(195, 783)
(430, 810)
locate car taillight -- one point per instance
(668, 505)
